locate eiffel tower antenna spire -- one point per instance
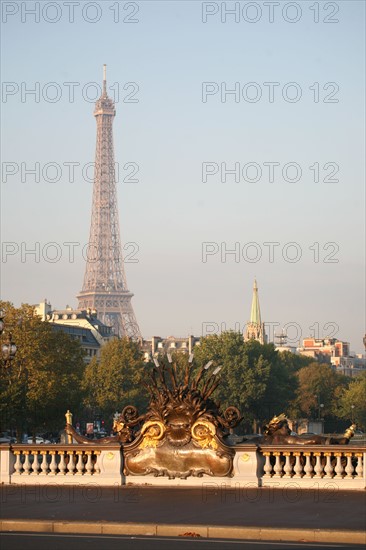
(105, 286)
(104, 81)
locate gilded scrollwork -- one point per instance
(152, 432)
(204, 433)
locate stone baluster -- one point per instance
(44, 465)
(349, 466)
(268, 465)
(80, 463)
(97, 464)
(288, 466)
(308, 468)
(53, 465)
(298, 466)
(27, 465)
(72, 462)
(89, 463)
(36, 465)
(62, 463)
(329, 471)
(318, 465)
(359, 467)
(278, 465)
(339, 468)
(18, 466)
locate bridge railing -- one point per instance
(340, 464)
(43, 463)
(343, 466)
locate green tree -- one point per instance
(256, 378)
(115, 380)
(293, 361)
(281, 385)
(245, 370)
(318, 384)
(352, 403)
(44, 378)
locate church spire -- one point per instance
(254, 329)
(255, 313)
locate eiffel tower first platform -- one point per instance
(105, 287)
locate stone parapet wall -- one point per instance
(45, 464)
(295, 466)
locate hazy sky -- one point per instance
(292, 128)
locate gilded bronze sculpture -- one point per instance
(182, 432)
(278, 432)
(123, 425)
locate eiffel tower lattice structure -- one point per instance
(105, 287)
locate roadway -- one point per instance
(32, 541)
(208, 505)
(93, 512)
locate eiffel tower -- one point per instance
(105, 287)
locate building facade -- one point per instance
(157, 345)
(335, 352)
(82, 325)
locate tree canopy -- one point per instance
(48, 376)
(318, 384)
(262, 381)
(255, 378)
(352, 402)
(44, 378)
(115, 380)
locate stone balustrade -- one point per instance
(48, 463)
(269, 466)
(56, 462)
(339, 464)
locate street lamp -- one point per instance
(8, 349)
(2, 315)
(320, 405)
